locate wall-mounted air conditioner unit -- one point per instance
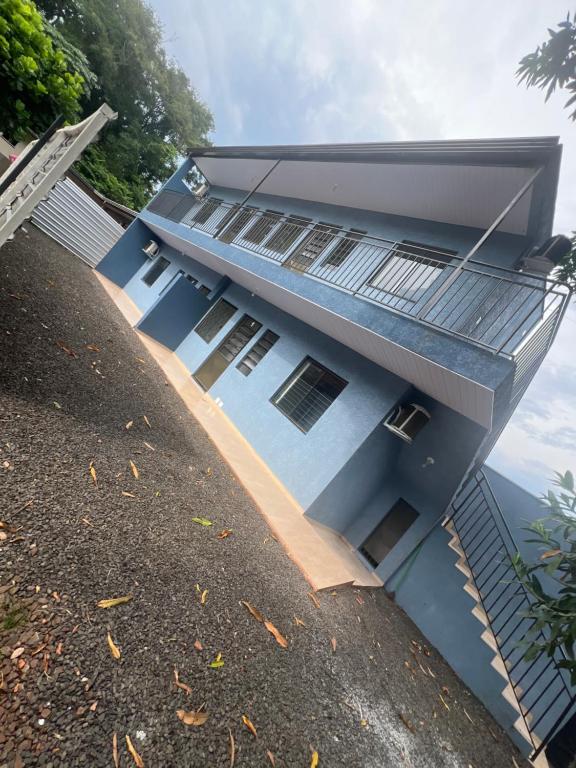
(406, 421)
(151, 250)
(201, 191)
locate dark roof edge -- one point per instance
(509, 151)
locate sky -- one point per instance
(313, 71)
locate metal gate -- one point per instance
(75, 221)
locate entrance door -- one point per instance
(215, 365)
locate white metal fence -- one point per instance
(75, 221)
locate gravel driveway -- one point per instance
(78, 392)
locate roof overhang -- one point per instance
(466, 183)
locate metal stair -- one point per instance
(30, 178)
(537, 690)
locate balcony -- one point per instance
(511, 315)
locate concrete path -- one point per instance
(356, 683)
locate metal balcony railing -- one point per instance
(506, 312)
(543, 692)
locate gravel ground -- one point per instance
(72, 377)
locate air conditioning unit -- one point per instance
(151, 250)
(201, 191)
(542, 260)
(406, 421)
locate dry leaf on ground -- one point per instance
(314, 599)
(217, 663)
(150, 447)
(443, 701)
(92, 347)
(135, 756)
(254, 611)
(204, 597)
(192, 717)
(298, 622)
(134, 469)
(198, 645)
(250, 725)
(225, 533)
(271, 758)
(202, 521)
(115, 755)
(129, 424)
(232, 749)
(333, 644)
(111, 602)
(315, 759)
(147, 422)
(16, 653)
(64, 348)
(93, 473)
(114, 650)
(180, 684)
(130, 495)
(280, 639)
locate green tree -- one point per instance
(159, 114)
(41, 75)
(553, 609)
(553, 65)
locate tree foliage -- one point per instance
(553, 609)
(41, 76)
(553, 65)
(159, 114)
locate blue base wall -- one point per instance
(126, 258)
(431, 591)
(170, 320)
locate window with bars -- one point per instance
(343, 248)
(155, 270)
(264, 224)
(215, 320)
(410, 269)
(314, 243)
(307, 393)
(191, 279)
(234, 222)
(287, 233)
(209, 207)
(204, 290)
(258, 351)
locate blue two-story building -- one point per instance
(368, 316)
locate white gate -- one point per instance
(75, 221)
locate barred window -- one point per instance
(343, 248)
(262, 227)
(287, 234)
(209, 207)
(307, 393)
(258, 351)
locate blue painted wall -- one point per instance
(170, 319)
(431, 591)
(301, 461)
(145, 296)
(126, 258)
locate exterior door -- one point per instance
(215, 365)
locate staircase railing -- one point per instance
(542, 691)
